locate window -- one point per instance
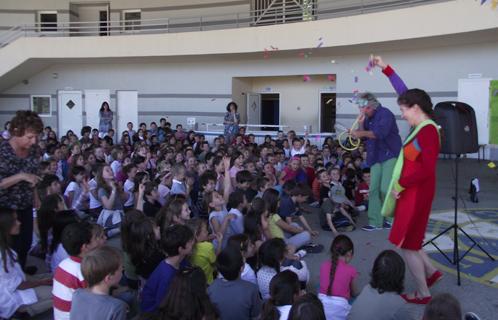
(132, 19)
(41, 104)
(283, 11)
(48, 21)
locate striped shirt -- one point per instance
(67, 278)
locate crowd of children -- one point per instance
(204, 230)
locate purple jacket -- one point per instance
(387, 144)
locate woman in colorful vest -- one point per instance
(413, 185)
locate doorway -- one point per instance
(327, 111)
(270, 110)
(104, 23)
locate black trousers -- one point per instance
(22, 242)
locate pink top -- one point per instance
(344, 275)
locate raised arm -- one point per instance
(395, 80)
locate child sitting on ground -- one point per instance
(77, 240)
(361, 194)
(338, 279)
(18, 294)
(341, 203)
(248, 250)
(237, 202)
(102, 269)
(234, 297)
(177, 242)
(203, 253)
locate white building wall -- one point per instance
(202, 86)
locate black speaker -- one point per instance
(458, 127)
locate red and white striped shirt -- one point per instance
(67, 278)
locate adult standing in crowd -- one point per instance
(231, 122)
(106, 116)
(413, 185)
(19, 165)
(377, 125)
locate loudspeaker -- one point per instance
(458, 127)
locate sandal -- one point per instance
(416, 299)
(434, 278)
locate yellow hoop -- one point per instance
(354, 142)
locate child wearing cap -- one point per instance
(341, 204)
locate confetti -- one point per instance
(491, 165)
(328, 101)
(306, 78)
(371, 65)
(213, 99)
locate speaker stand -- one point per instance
(456, 228)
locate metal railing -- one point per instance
(251, 18)
(221, 126)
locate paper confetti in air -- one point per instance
(371, 65)
(328, 101)
(491, 165)
(306, 78)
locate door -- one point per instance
(475, 93)
(270, 110)
(253, 108)
(93, 103)
(127, 109)
(327, 112)
(103, 22)
(70, 111)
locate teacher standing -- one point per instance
(19, 167)
(231, 122)
(413, 185)
(106, 116)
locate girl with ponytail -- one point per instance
(338, 279)
(284, 289)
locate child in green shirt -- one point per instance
(203, 253)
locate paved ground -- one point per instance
(474, 296)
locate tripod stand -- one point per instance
(455, 228)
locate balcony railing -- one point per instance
(276, 14)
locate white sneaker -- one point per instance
(301, 253)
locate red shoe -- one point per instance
(417, 300)
(432, 280)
